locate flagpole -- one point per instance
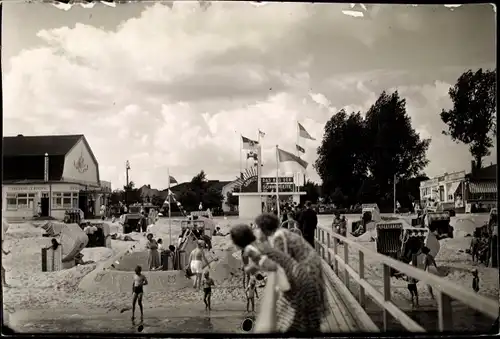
(297, 152)
(394, 193)
(241, 149)
(259, 164)
(169, 207)
(277, 182)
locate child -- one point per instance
(137, 290)
(429, 266)
(475, 280)
(251, 293)
(412, 282)
(207, 290)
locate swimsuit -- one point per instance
(138, 284)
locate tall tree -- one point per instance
(312, 192)
(472, 119)
(341, 161)
(395, 148)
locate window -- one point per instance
(20, 201)
(11, 201)
(64, 200)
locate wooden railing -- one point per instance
(446, 291)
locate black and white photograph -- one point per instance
(201, 167)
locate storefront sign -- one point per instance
(66, 188)
(34, 188)
(272, 180)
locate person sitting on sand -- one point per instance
(138, 290)
(207, 290)
(195, 263)
(475, 280)
(154, 257)
(251, 293)
(218, 232)
(429, 266)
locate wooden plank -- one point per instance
(357, 313)
(342, 314)
(465, 295)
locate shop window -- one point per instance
(75, 201)
(57, 200)
(11, 201)
(67, 202)
(64, 200)
(25, 201)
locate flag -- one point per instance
(252, 155)
(172, 180)
(303, 133)
(300, 149)
(261, 134)
(284, 156)
(248, 144)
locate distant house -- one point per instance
(481, 186)
(49, 174)
(146, 192)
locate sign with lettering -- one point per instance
(33, 188)
(272, 187)
(66, 188)
(272, 180)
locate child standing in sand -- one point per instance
(138, 290)
(207, 290)
(251, 293)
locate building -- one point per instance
(447, 188)
(228, 188)
(46, 175)
(481, 186)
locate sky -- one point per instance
(171, 87)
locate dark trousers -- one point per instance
(309, 238)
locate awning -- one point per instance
(483, 187)
(453, 187)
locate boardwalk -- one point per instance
(348, 309)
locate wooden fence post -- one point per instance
(444, 312)
(346, 260)
(387, 293)
(335, 252)
(361, 273)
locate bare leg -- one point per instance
(248, 304)
(140, 305)
(209, 301)
(198, 277)
(134, 300)
(430, 291)
(252, 301)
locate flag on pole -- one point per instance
(249, 144)
(252, 155)
(261, 134)
(303, 133)
(284, 156)
(300, 149)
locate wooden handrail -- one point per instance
(446, 290)
(266, 318)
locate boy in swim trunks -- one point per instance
(251, 292)
(137, 290)
(207, 290)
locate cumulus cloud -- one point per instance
(173, 88)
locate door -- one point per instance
(83, 204)
(44, 205)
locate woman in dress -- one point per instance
(195, 262)
(303, 307)
(154, 256)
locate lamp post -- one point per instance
(46, 179)
(127, 168)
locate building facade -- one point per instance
(481, 186)
(447, 188)
(47, 175)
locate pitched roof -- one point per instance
(39, 145)
(485, 173)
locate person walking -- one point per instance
(308, 222)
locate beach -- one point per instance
(33, 291)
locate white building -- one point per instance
(47, 175)
(446, 188)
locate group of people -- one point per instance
(158, 254)
(302, 220)
(301, 300)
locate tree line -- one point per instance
(361, 155)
